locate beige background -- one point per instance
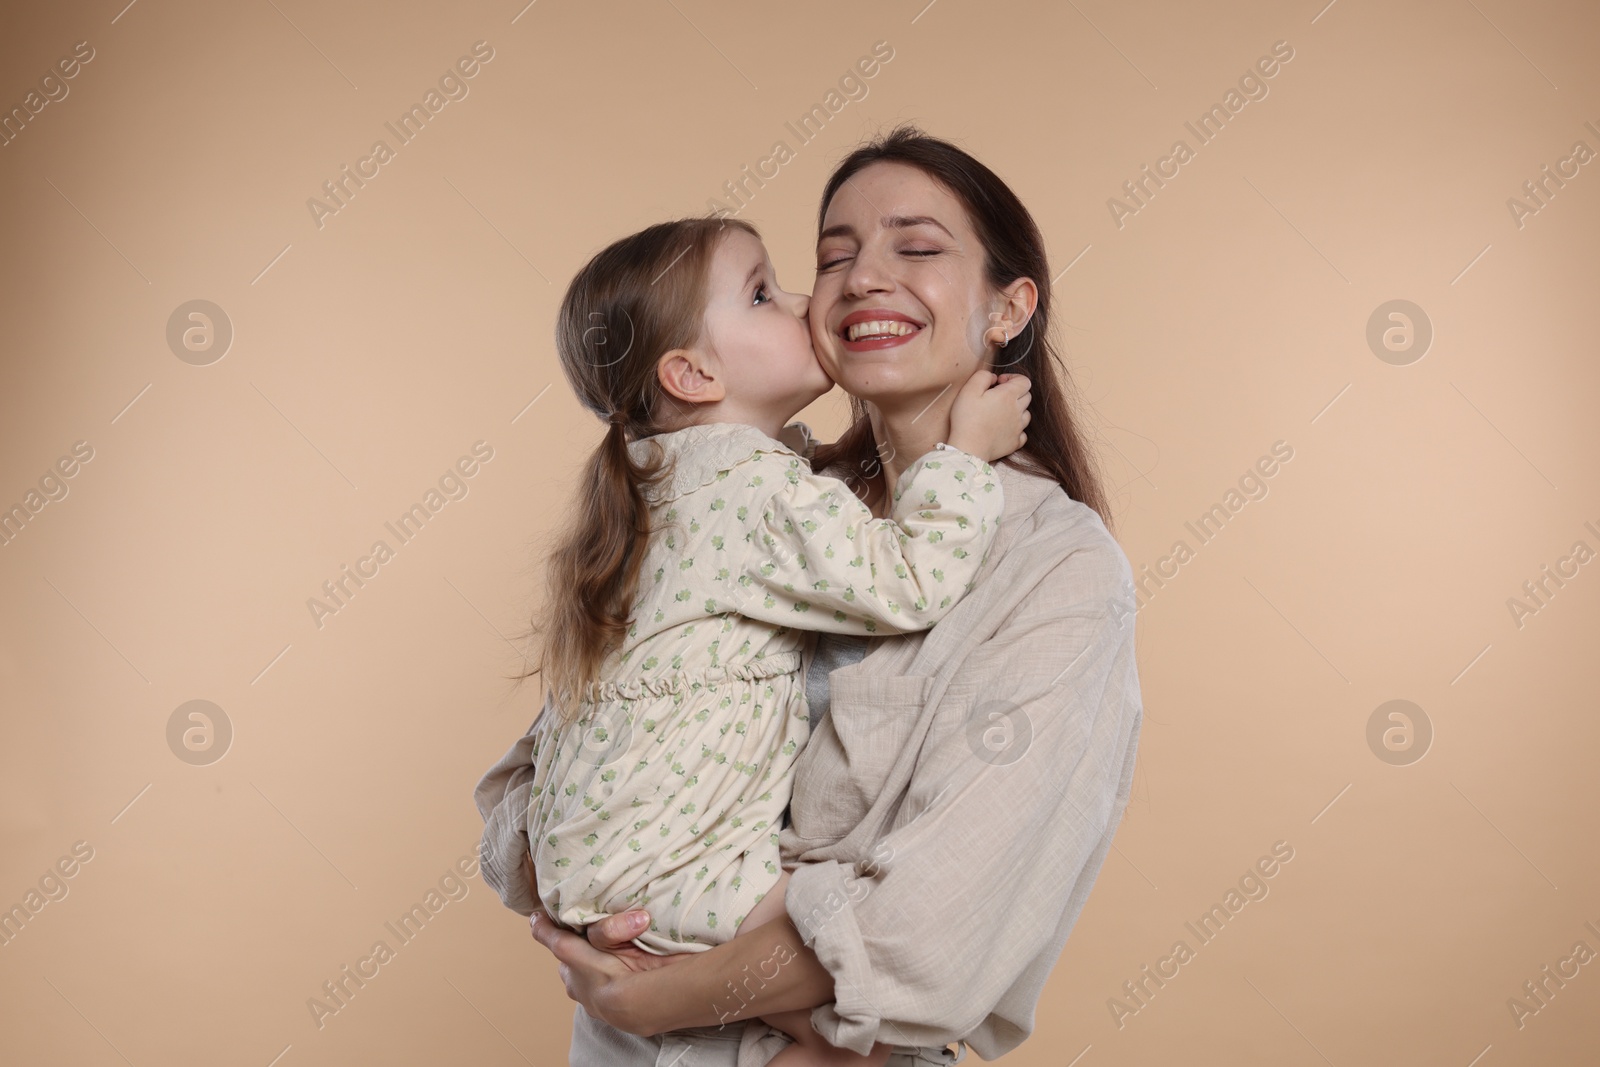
(369, 354)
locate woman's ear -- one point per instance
(1017, 302)
(688, 375)
(1013, 309)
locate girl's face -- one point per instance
(760, 335)
(901, 304)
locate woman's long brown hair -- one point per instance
(1014, 248)
(639, 298)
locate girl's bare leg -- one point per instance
(809, 1048)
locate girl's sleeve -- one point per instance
(815, 557)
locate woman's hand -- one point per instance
(593, 978)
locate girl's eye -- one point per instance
(760, 290)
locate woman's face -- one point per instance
(901, 306)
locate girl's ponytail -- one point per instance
(641, 297)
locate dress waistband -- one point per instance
(689, 682)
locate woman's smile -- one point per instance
(873, 328)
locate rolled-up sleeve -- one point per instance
(1020, 784)
(502, 797)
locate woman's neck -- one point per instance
(904, 436)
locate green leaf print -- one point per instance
(650, 664)
(711, 919)
(716, 542)
(633, 843)
(590, 838)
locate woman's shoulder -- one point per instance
(1061, 539)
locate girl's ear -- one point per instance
(688, 375)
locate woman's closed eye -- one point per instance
(916, 252)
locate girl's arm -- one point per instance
(816, 558)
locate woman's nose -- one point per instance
(865, 274)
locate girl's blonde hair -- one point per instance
(639, 298)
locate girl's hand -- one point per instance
(989, 414)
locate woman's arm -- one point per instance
(770, 966)
(502, 797)
(1003, 825)
(994, 848)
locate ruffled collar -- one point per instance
(702, 452)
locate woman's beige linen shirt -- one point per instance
(952, 809)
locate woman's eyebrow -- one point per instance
(889, 222)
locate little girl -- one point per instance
(698, 556)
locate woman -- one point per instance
(961, 785)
